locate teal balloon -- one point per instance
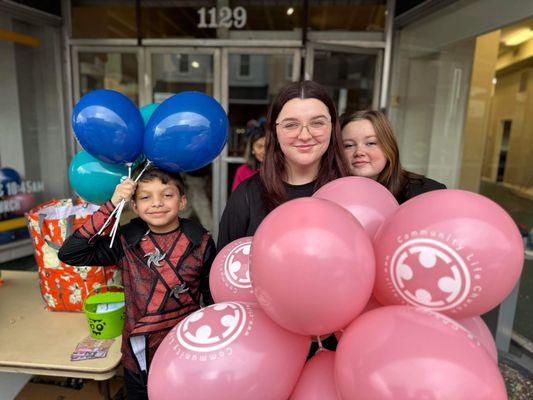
(147, 111)
(94, 180)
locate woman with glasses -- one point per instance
(371, 151)
(303, 152)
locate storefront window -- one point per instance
(505, 163)
(461, 106)
(109, 70)
(178, 72)
(349, 77)
(32, 138)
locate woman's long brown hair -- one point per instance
(274, 171)
(393, 176)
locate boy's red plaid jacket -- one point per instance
(165, 276)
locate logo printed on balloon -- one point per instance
(236, 269)
(444, 272)
(213, 328)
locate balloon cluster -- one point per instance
(184, 133)
(402, 287)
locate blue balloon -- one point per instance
(186, 132)
(8, 175)
(108, 126)
(93, 180)
(147, 111)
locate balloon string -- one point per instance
(320, 347)
(118, 209)
(105, 224)
(117, 222)
(148, 162)
(123, 203)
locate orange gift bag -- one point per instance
(64, 287)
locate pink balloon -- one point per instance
(317, 381)
(26, 201)
(229, 279)
(312, 266)
(481, 331)
(451, 251)
(367, 200)
(404, 352)
(227, 351)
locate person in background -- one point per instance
(303, 152)
(371, 151)
(165, 262)
(254, 156)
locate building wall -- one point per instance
(478, 113)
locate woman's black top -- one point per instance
(416, 186)
(246, 208)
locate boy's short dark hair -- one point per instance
(152, 172)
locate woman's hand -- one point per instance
(123, 191)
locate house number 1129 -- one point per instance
(223, 17)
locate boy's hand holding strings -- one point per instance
(124, 191)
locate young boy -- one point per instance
(165, 263)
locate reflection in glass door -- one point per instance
(251, 79)
(114, 68)
(352, 75)
(173, 70)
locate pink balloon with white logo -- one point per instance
(317, 381)
(404, 352)
(451, 251)
(227, 351)
(481, 331)
(312, 266)
(367, 200)
(229, 279)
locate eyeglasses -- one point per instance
(294, 128)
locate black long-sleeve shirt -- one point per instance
(246, 209)
(416, 187)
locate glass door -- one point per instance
(250, 80)
(170, 70)
(114, 68)
(117, 68)
(351, 74)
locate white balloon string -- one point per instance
(117, 222)
(320, 347)
(118, 209)
(142, 172)
(108, 220)
(122, 204)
